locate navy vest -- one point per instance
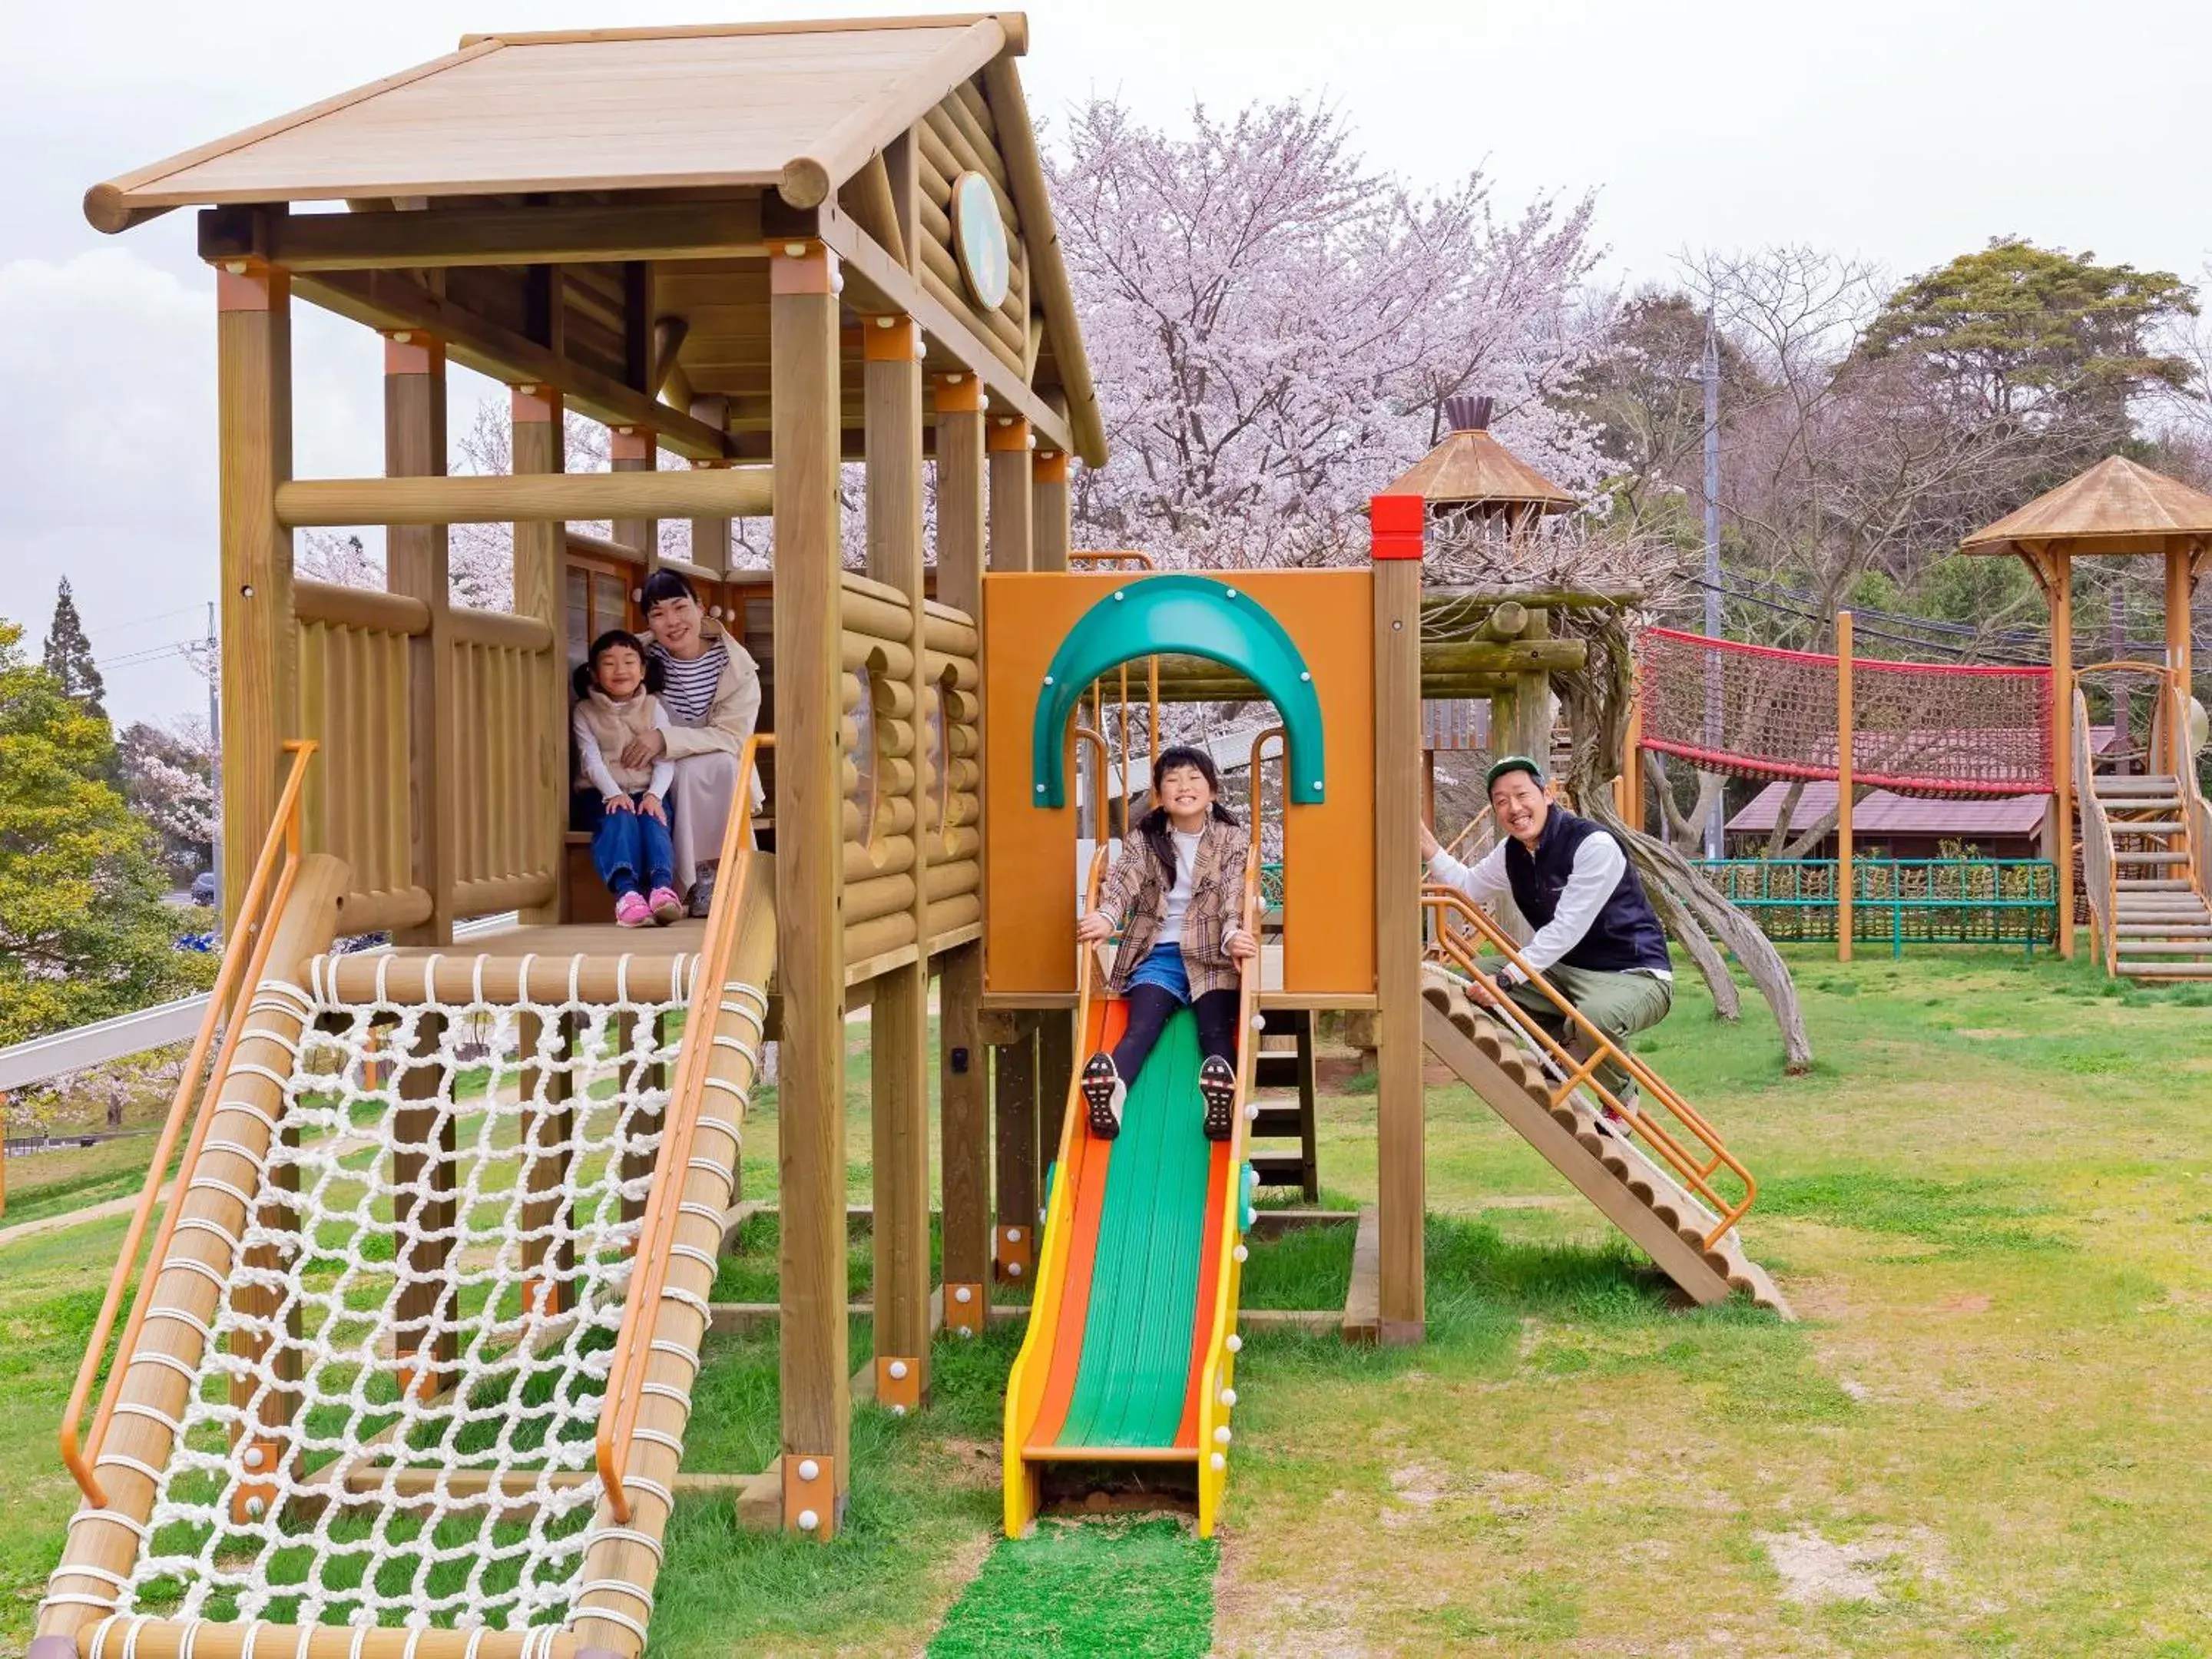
(1626, 934)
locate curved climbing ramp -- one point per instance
(410, 1372)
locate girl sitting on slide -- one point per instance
(631, 844)
(1179, 883)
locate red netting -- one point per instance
(1918, 728)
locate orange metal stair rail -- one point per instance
(245, 958)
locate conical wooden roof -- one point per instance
(1471, 466)
(2115, 507)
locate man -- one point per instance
(1597, 940)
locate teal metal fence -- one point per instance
(1903, 900)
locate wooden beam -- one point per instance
(253, 413)
(899, 1015)
(1051, 525)
(870, 200)
(1048, 269)
(816, 1400)
(1013, 25)
(415, 565)
(631, 454)
(964, 1133)
(544, 498)
(549, 233)
(2059, 585)
(879, 282)
(1845, 885)
(710, 535)
(1014, 1103)
(391, 300)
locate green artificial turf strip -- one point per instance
(1096, 1587)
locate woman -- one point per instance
(710, 688)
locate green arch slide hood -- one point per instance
(1179, 616)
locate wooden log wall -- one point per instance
(889, 859)
(355, 701)
(958, 137)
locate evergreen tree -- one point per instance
(68, 655)
(83, 932)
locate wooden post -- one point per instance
(2056, 571)
(1008, 442)
(809, 882)
(540, 572)
(260, 642)
(631, 449)
(899, 1012)
(2179, 579)
(1052, 530)
(1630, 802)
(1014, 1102)
(1055, 1066)
(964, 1112)
(1844, 885)
(423, 1142)
(263, 1445)
(1401, 1191)
(1012, 523)
(710, 538)
(549, 1249)
(415, 564)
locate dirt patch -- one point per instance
(1972, 1303)
(1814, 1569)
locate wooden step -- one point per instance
(1279, 1169)
(2129, 946)
(1286, 1022)
(1276, 1123)
(2150, 783)
(2121, 855)
(1275, 1071)
(2196, 930)
(2167, 969)
(2150, 884)
(2147, 826)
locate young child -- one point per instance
(1179, 881)
(631, 844)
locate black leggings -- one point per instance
(1149, 1006)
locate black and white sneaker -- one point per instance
(1104, 1091)
(1217, 1085)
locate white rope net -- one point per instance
(388, 1336)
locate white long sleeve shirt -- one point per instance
(1599, 862)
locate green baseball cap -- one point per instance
(1505, 763)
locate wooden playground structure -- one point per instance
(862, 269)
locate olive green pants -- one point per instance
(1619, 1005)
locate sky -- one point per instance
(1902, 133)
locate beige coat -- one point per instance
(734, 716)
(1135, 894)
(612, 725)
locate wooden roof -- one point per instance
(801, 104)
(1471, 466)
(2115, 507)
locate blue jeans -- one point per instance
(632, 853)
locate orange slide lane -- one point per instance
(1108, 1018)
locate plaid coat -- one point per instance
(1135, 896)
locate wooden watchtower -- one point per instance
(767, 250)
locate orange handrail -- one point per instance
(625, 1389)
(1101, 555)
(235, 985)
(1579, 1073)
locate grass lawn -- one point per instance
(1990, 1203)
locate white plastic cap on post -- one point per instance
(809, 1469)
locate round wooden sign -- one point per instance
(981, 237)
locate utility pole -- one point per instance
(214, 666)
(1716, 824)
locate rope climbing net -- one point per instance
(1918, 728)
(395, 1408)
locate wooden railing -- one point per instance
(245, 958)
(2096, 862)
(355, 702)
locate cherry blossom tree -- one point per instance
(1274, 327)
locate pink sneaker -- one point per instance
(632, 911)
(665, 905)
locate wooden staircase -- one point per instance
(2162, 925)
(1283, 1079)
(1632, 1190)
